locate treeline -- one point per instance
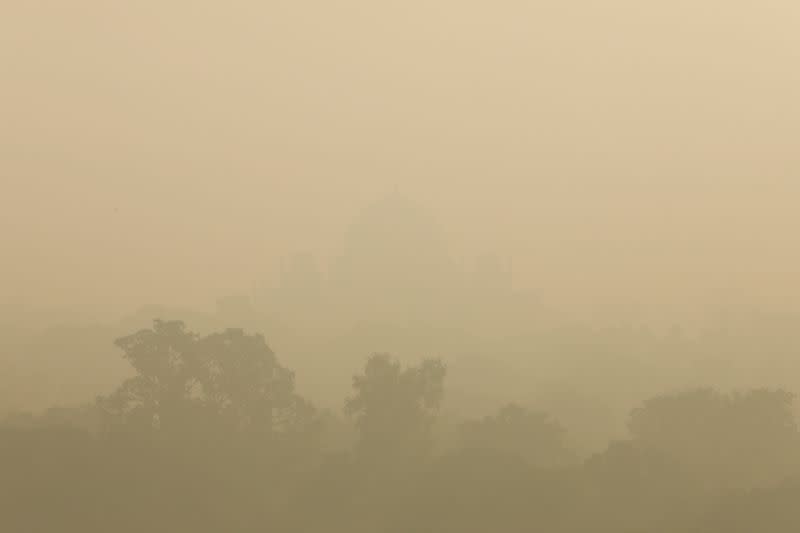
(210, 434)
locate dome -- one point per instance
(394, 245)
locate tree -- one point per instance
(243, 381)
(740, 439)
(395, 408)
(168, 372)
(518, 431)
(183, 380)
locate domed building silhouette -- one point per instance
(394, 267)
(393, 248)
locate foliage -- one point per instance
(185, 382)
(739, 439)
(395, 407)
(531, 435)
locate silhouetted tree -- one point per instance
(630, 488)
(739, 439)
(772, 509)
(242, 380)
(228, 379)
(395, 407)
(243, 459)
(515, 430)
(168, 377)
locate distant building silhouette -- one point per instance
(394, 245)
(394, 265)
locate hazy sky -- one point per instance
(627, 154)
